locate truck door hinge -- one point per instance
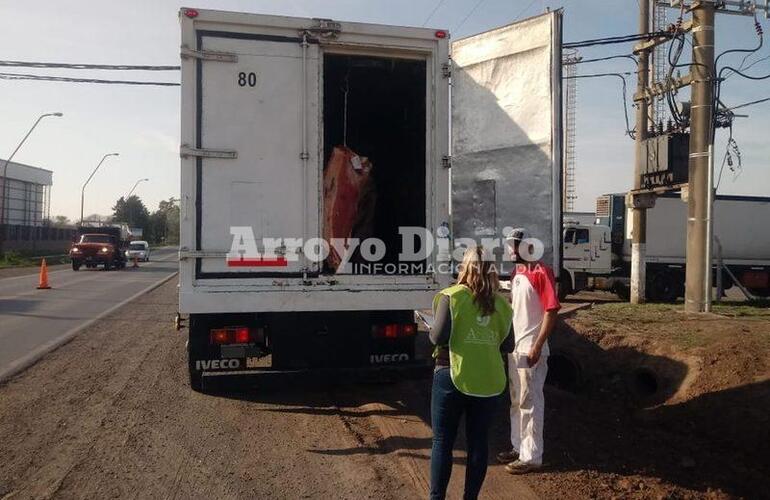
(324, 28)
(446, 70)
(446, 161)
(186, 151)
(207, 55)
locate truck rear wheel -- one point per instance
(75, 265)
(564, 285)
(662, 288)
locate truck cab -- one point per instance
(587, 252)
(100, 245)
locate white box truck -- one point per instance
(599, 255)
(267, 103)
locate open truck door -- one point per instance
(506, 133)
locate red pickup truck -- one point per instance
(99, 246)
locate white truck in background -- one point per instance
(265, 102)
(599, 255)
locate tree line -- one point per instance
(160, 227)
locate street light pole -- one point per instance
(83, 191)
(129, 196)
(132, 189)
(7, 161)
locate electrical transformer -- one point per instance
(665, 160)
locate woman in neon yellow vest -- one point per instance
(472, 329)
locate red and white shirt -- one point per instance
(533, 292)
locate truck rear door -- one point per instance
(506, 133)
(254, 163)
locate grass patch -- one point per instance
(16, 259)
(751, 308)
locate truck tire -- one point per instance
(107, 265)
(564, 285)
(662, 288)
(622, 291)
(75, 265)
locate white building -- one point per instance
(25, 193)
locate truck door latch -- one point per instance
(446, 70)
(446, 161)
(186, 151)
(207, 55)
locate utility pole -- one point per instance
(639, 213)
(698, 277)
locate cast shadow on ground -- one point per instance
(611, 419)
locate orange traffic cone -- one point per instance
(43, 285)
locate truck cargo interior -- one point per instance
(376, 106)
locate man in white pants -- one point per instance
(535, 306)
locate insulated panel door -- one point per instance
(506, 133)
(257, 108)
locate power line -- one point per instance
(616, 39)
(478, 4)
(622, 76)
(621, 56)
(112, 67)
(433, 12)
(747, 104)
(21, 76)
(525, 9)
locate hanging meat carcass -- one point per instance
(349, 199)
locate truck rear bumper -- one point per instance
(413, 369)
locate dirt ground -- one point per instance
(667, 405)
(110, 415)
(646, 403)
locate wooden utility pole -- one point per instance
(699, 195)
(639, 213)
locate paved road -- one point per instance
(33, 320)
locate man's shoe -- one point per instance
(519, 467)
(507, 457)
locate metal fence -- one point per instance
(35, 239)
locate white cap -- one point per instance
(516, 235)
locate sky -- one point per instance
(142, 123)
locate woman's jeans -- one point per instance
(447, 406)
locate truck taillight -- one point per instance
(231, 335)
(219, 336)
(242, 335)
(394, 330)
(191, 13)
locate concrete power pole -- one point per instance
(698, 277)
(639, 214)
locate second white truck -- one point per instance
(599, 255)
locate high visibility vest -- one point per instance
(475, 362)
